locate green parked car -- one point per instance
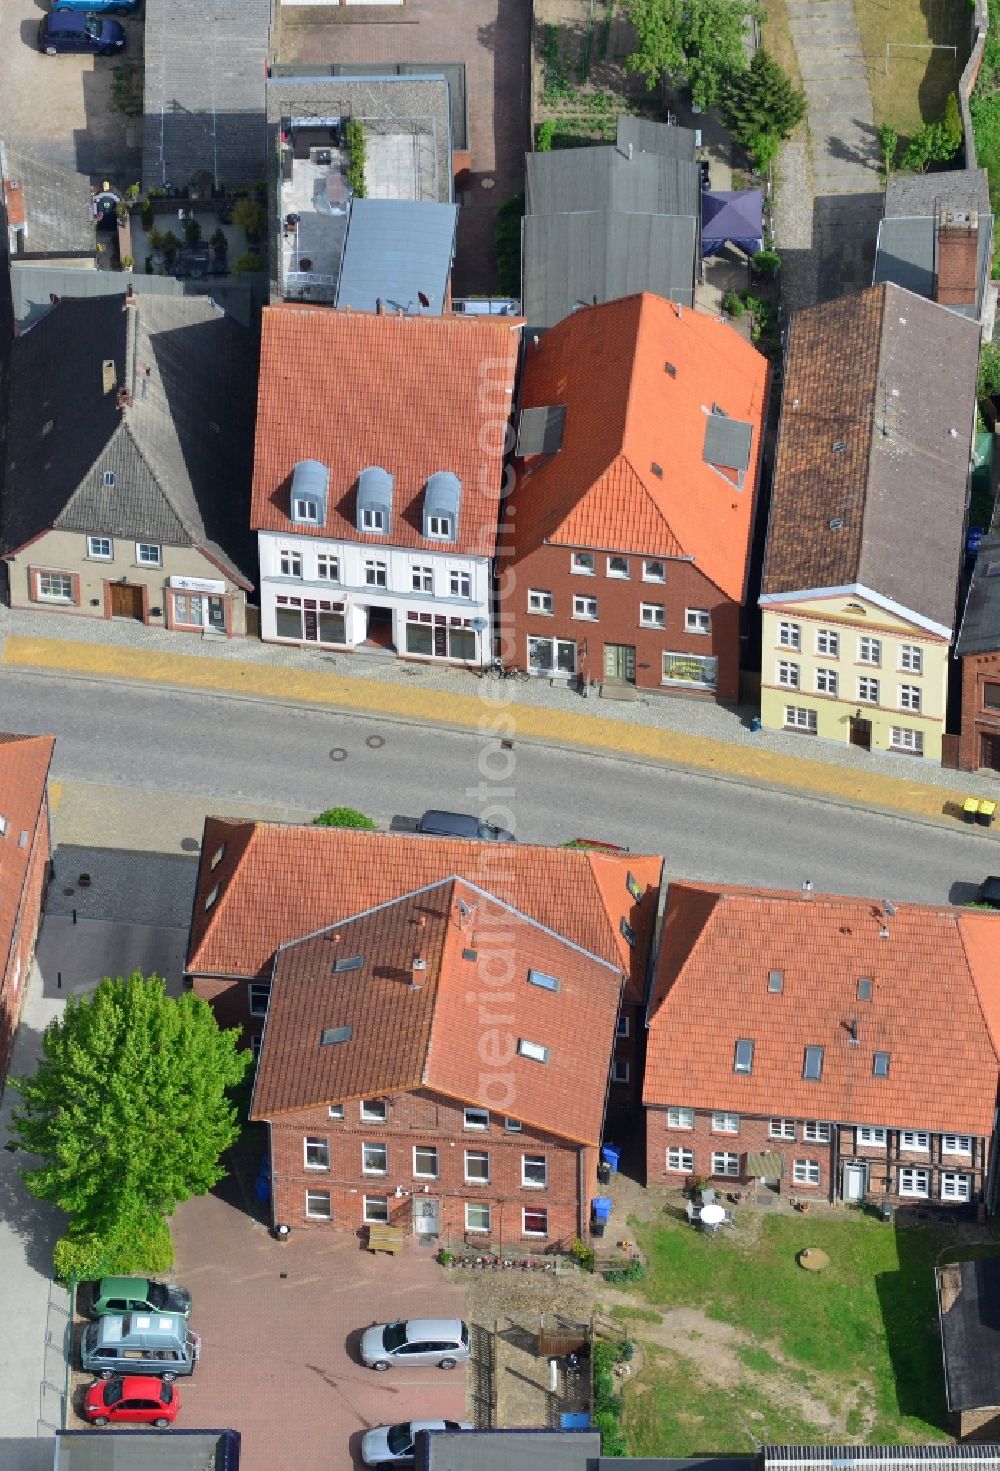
(138, 1295)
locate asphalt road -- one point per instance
(713, 829)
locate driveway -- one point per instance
(59, 107)
(492, 37)
(280, 1323)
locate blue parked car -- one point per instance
(98, 7)
(974, 539)
(70, 30)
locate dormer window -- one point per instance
(374, 501)
(310, 484)
(442, 498)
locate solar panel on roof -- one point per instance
(540, 431)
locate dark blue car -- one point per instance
(69, 30)
(98, 7)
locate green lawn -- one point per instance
(852, 1352)
(918, 81)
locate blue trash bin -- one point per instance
(611, 1154)
(601, 1207)
(755, 723)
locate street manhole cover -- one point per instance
(376, 742)
(338, 754)
(69, 893)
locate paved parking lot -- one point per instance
(280, 1324)
(58, 107)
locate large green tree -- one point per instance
(697, 41)
(128, 1108)
(762, 99)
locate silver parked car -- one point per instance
(396, 1443)
(440, 1341)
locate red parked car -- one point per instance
(134, 1400)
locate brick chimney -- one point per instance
(957, 252)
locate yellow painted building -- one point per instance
(844, 668)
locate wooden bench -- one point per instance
(386, 1238)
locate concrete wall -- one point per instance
(967, 81)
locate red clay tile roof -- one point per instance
(24, 770)
(625, 413)
(409, 394)
(277, 883)
(935, 1008)
(453, 1031)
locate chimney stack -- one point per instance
(956, 252)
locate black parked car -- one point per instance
(69, 30)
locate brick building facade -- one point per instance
(978, 649)
(25, 851)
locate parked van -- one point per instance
(140, 1343)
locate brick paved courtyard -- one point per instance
(492, 37)
(280, 1324)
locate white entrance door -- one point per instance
(426, 1216)
(855, 1180)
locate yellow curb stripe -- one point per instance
(488, 711)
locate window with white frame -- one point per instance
(55, 587)
(725, 1164)
(100, 548)
(680, 1118)
(512, 1126)
(680, 1161)
(539, 600)
(797, 718)
(812, 1063)
(781, 1129)
(787, 674)
(869, 650)
(725, 1123)
(653, 571)
(699, 671)
(375, 1159)
(148, 553)
(620, 1071)
(814, 1132)
(534, 1222)
(873, 1138)
(955, 1186)
(622, 1025)
(377, 1209)
(477, 1166)
(460, 583)
(534, 1171)
(425, 1161)
(537, 1051)
(826, 681)
(305, 509)
(828, 643)
(697, 620)
(318, 1205)
(956, 1144)
(868, 690)
(335, 1111)
(372, 519)
(805, 1171)
(903, 738)
(909, 697)
(422, 577)
(551, 656)
(914, 1182)
(374, 1110)
(259, 993)
(327, 567)
(439, 527)
(317, 1153)
(651, 615)
(915, 1139)
(618, 566)
(911, 658)
(789, 635)
(585, 608)
(290, 563)
(376, 573)
(476, 1118)
(582, 563)
(477, 1215)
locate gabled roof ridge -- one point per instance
(961, 920)
(870, 440)
(366, 913)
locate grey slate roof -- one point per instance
(508, 1450)
(664, 138)
(588, 256)
(204, 91)
(33, 286)
(980, 631)
(180, 450)
(154, 1450)
(453, 73)
(969, 1314)
(396, 248)
(923, 194)
(59, 214)
(907, 255)
(604, 178)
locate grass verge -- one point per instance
(918, 81)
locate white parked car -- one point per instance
(385, 1444)
(443, 1342)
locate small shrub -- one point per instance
(988, 385)
(122, 211)
(733, 306)
(219, 240)
(192, 230)
(952, 121)
(250, 216)
(157, 239)
(507, 245)
(766, 263)
(127, 262)
(583, 1254)
(249, 261)
(546, 132)
(445, 1256)
(888, 146)
(357, 157)
(622, 1276)
(345, 817)
(146, 214)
